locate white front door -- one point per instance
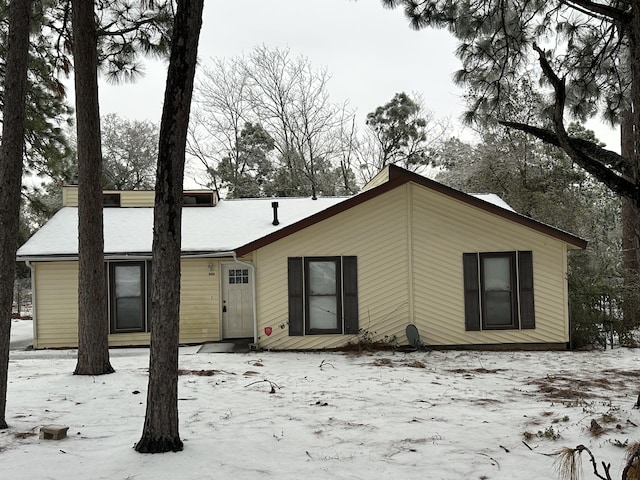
(237, 301)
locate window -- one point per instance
(238, 276)
(323, 295)
(128, 300)
(199, 199)
(110, 199)
(498, 291)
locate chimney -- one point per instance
(274, 205)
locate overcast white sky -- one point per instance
(370, 52)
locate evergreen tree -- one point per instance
(588, 57)
(160, 433)
(13, 128)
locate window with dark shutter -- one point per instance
(323, 295)
(498, 290)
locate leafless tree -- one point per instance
(289, 99)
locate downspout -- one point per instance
(32, 269)
(253, 288)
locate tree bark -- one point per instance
(93, 325)
(160, 433)
(11, 174)
(630, 231)
(630, 211)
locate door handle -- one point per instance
(224, 309)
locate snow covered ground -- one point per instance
(439, 415)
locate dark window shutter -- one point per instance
(350, 292)
(525, 285)
(296, 305)
(471, 292)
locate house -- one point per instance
(299, 273)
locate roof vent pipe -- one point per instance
(274, 205)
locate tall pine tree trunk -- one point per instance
(93, 325)
(11, 174)
(160, 433)
(630, 231)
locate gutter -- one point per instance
(117, 256)
(253, 287)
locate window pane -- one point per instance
(128, 313)
(498, 309)
(497, 274)
(322, 278)
(128, 281)
(322, 312)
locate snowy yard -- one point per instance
(439, 415)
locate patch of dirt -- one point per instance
(416, 364)
(383, 362)
(200, 373)
(485, 401)
(468, 371)
(621, 373)
(562, 387)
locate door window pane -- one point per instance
(238, 276)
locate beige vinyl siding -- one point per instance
(409, 243)
(128, 198)
(57, 305)
(199, 300)
(441, 228)
(381, 177)
(70, 196)
(141, 198)
(377, 236)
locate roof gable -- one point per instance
(393, 177)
